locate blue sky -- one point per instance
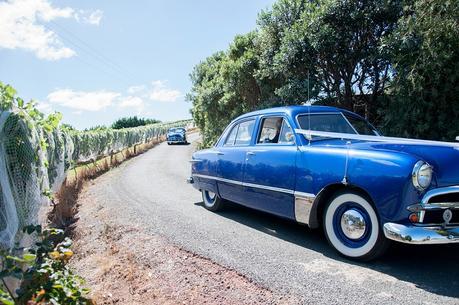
(95, 61)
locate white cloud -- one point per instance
(22, 27)
(90, 17)
(131, 102)
(136, 98)
(44, 107)
(162, 93)
(80, 100)
(136, 89)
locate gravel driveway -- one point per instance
(293, 263)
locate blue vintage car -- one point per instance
(176, 135)
(327, 167)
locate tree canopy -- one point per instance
(425, 58)
(373, 57)
(132, 122)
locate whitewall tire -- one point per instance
(212, 201)
(352, 227)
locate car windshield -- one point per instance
(176, 130)
(336, 122)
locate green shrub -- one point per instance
(42, 271)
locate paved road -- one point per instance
(281, 255)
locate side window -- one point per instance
(231, 136)
(286, 134)
(244, 134)
(270, 130)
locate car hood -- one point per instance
(444, 159)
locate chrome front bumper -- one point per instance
(433, 230)
(421, 235)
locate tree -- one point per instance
(205, 94)
(224, 86)
(372, 57)
(337, 43)
(425, 58)
(286, 60)
(132, 122)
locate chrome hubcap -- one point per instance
(353, 224)
(211, 196)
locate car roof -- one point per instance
(293, 111)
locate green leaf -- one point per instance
(16, 259)
(29, 257)
(10, 91)
(20, 102)
(6, 301)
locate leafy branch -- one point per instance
(42, 271)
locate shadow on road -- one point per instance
(431, 268)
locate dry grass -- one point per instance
(65, 208)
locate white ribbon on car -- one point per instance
(393, 140)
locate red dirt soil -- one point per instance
(122, 264)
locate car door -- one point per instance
(269, 178)
(231, 160)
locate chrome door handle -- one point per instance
(220, 153)
(250, 153)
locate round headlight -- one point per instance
(422, 175)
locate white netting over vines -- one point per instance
(35, 155)
(23, 172)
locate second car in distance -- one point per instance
(176, 135)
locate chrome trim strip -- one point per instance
(439, 191)
(305, 195)
(215, 152)
(432, 206)
(303, 201)
(195, 160)
(259, 186)
(303, 206)
(421, 235)
(422, 215)
(219, 179)
(269, 188)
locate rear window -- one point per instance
(231, 136)
(240, 134)
(244, 134)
